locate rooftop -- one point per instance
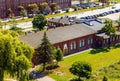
(57, 35)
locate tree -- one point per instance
(75, 8)
(22, 11)
(15, 56)
(53, 6)
(39, 21)
(45, 53)
(58, 55)
(43, 6)
(10, 13)
(1, 25)
(33, 7)
(81, 69)
(109, 29)
(118, 21)
(47, 9)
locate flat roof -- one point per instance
(96, 25)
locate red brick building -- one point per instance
(73, 37)
(70, 39)
(13, 4)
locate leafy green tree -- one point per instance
(33, 7)
(10, 13)
(22, 11)
(39, 21)
(45, 53)
(21, 8)
(109, 29)
(118, 21)
(15, 56)
(75, 8)
(1, 24)
(58, 55)
(43, 6)
(53, 6)
(81, 69)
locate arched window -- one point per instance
(65, 46)
(71, 46)
(89, 41)
(82, 43)
(74, 45)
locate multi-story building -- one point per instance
(13, 5)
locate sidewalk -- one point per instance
(45, 78)
(77, 53)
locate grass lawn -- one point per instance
(112, 72)
(97, 61)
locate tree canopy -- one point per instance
(33, 7)
(53, 6)
(81, 69)
(39, 21)
(109, 28)
(45, 53)
(15, 56)
(43, 6)
(58, 55)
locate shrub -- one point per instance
(67, 10)
(75, 8)
(51, 66)
(39, 68)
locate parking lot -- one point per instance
(78, 15)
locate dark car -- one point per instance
(44, 13)
(99, 20)
(63, 9)
(30, 15)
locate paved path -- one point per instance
(77, 53)
(45, 78)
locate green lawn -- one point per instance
(97, 61)
(112, 72)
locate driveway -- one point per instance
(39, 77)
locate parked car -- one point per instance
(30, 15)
(45, 13)
(63, 9)
(113, 7)
(99, 20)
(57, 11)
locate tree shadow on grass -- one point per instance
(98, 50)
(116, 45)
(75, 79)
